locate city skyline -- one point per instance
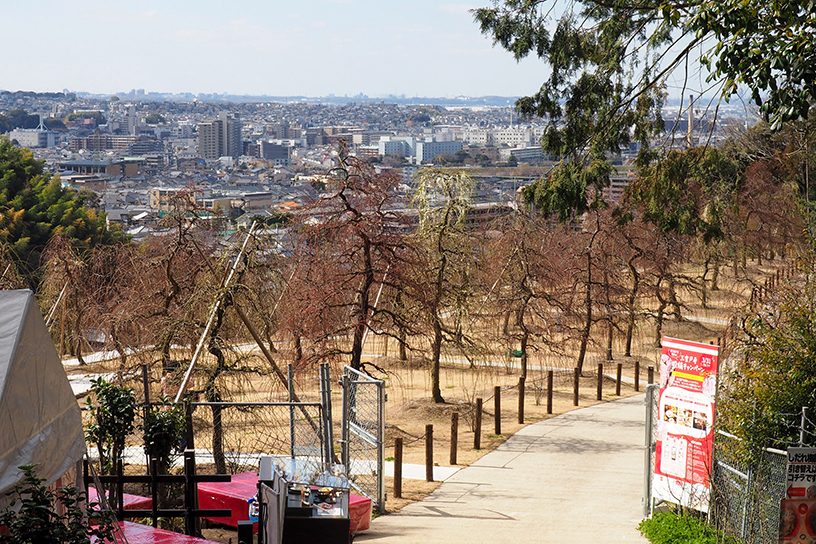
(314, 48)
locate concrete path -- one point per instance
(577, 477)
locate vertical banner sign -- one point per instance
(797, 513)
(685, 429)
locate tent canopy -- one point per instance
(40, 420)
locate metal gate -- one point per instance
(363, 434)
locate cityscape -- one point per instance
(255, 157)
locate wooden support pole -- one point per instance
(429, 453)
(497, 410)
(521, 401)
(549, 391)
(398, 468)
(454, 444)
(637, 375)
(619, 377)
(477, 438)
(651, 374)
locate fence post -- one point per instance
(429, 453)
(521, 401)
(575, 377)
(549, 391)
(637, 375)
(477, 438)
(647, 470)
(190, 493)
(146, 410)
(600, 381)
(651, 374)
(497, 409)
(154, 491)
(398, 468)
(189, 438)
(619, 378)
(454, 445)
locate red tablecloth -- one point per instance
(144, 534)
(130, 502)
(359, 513)
(235, 494)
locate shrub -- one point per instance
(672, 528)
(32, 515)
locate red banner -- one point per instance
(685, 427)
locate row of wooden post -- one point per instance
(477, 437)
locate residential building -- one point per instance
(32, 137)
(427, 150)
(220, 137)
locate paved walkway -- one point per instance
(577, 478)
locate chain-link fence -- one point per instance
(234, 435)
(363, 432)
(745, 498)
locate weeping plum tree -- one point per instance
(443, 198)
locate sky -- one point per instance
(258, 47)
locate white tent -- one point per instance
(40, 420)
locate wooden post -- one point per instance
(549, 391)
(637, 375)
(189, 437)
(398, 468)
(497, 409)
(651, 374)
(477, 438)
(521, 401)
(154, 489)
(600, 381)
(429, 453)
(619, 378)
(575, 376)
(454, 444)
(146, 410)
(190, 493)
(120, 491)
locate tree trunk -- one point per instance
(298, 349)
(218, 439)
(630, 325)
(436, 390)
(703, 284)
(363, 308)
(661, 309)
(403, 352)
(673, 299)
(588, 321)
(609, 338)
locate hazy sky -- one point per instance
(271, 47)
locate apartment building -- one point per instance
(220, 137)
